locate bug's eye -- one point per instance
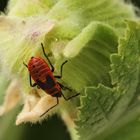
(32, 57)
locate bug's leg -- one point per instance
(52, 67)
(32, 85)
(69, 97)
(50, 107)
(61, 70)
(66, 88)
(25, 65)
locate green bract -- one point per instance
(110, 103)
(100, 40)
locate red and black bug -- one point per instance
(43, 76)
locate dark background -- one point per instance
(136, 2)
(3, 4)
(53, 128)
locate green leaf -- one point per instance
(129, 131)
(72, 16)
(108, 104)
(4, 82)
(29, 8)
(96, 108)
(88, 54)
(128, 126)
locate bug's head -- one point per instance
(32, 57)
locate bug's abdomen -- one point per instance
(42, 75)
(38, 69)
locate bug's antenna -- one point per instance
(47, 57)
(25, 64)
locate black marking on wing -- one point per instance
(48, 84)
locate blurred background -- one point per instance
(3, 3)
(52, 129)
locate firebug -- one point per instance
(42, 74)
